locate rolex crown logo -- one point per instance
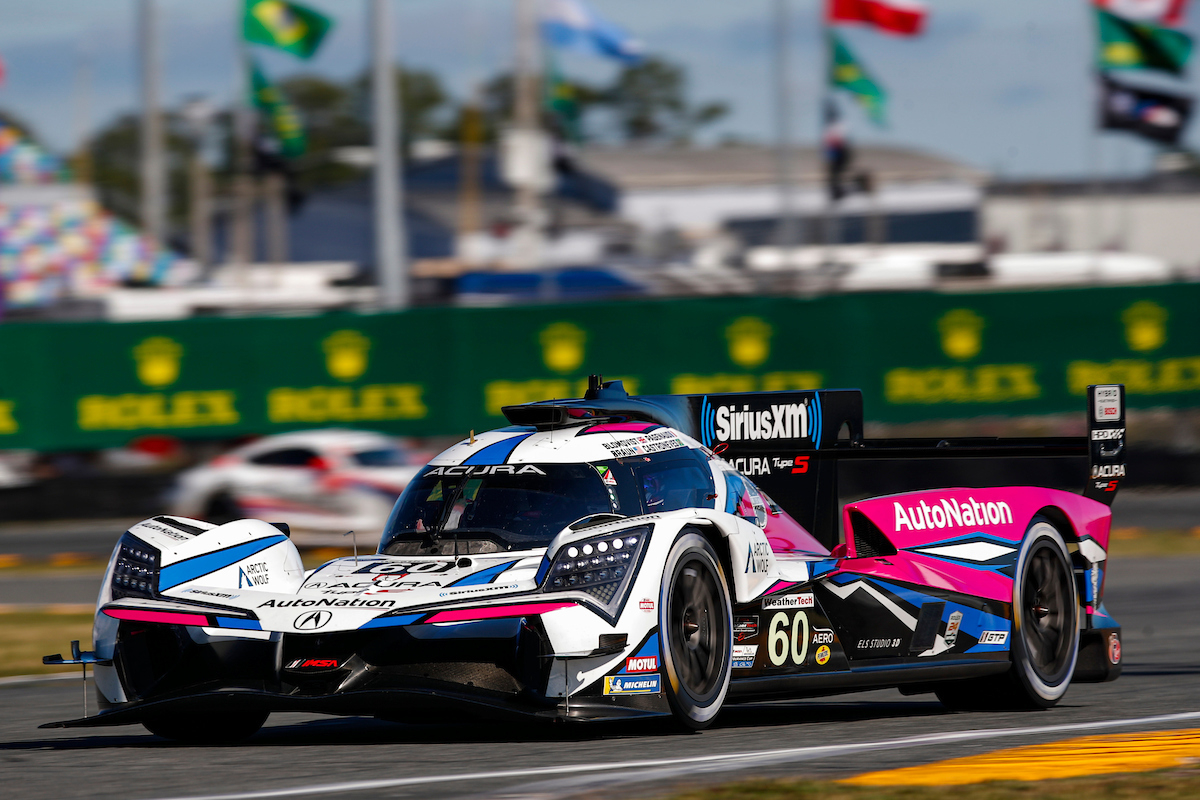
(749, 341)
(1145, 326)
(962, 333)
(563, 346)
(346, 354)
(157, 359)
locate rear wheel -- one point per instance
(696, 623)
(224, 728)
(1045, 631)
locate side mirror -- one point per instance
(839, 551)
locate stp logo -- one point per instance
(313, 620)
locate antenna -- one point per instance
(355, 538)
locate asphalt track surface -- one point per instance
(1157, 600)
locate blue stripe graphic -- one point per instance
(484, 575)
(497, 452)
(391, 622)
(193, 568)
(237, 622)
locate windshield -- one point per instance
(487, 508)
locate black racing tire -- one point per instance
(222, 507)
(696, 625)
(1045, 632)
(224, 728)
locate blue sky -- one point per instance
(1004, 86)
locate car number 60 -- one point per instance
(780, 645)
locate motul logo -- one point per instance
(641, 664)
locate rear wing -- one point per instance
(791, 443)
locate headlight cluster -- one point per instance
(600, 566)
(136, 570)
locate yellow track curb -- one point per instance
(1070, 758)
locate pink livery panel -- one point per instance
(967, 540)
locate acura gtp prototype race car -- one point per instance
(618, 556)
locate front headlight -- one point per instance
(135, 573)
(601, 567)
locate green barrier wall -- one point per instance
(448, 370)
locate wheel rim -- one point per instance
(1046, 614)
(694, 617)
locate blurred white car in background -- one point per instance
(322, 483)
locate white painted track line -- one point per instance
(666, 768)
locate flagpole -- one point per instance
(787, 232)
(153, 183)
(826, 99)
(240, 243)
(391, 243)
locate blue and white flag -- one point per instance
(574, 25)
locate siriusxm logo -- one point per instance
(753, 422)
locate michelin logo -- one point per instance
(623, 684)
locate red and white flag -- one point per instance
(1161, 12)
(901, 17)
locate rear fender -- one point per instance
(967, 540)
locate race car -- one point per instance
(325, 482)
(606, 558)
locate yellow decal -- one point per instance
(962, 333)
(1140, 376)
(347, 403)
(157, 361)
(767, 382)
(346, 354)
(129, 412)
(498, 394)
(986, 383)
(563, 346)
(1145, 326)
(749, 341)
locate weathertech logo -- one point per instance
(641, 664)
(789, 601)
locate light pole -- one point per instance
(391, 245)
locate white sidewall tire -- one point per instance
(687, 709)
(1041, 692)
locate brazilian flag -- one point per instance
(1125, 44)
(847, 73)
(288, 26)
(563, 102)
(284, 119)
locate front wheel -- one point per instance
(696, 624)
(1045, 631)
(224, 728)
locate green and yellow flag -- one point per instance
(284, 119)
(1125, 44)
(847, 73)
(288, 26)
(563, 102)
